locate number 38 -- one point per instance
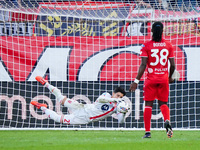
(163, 56)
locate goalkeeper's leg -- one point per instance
(66, 119)
(54, 90)
(72, 104)
(51, 114)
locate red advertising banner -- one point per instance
(78, 58)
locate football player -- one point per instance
(104, 106)
(155, 55)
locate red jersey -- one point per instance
(158, 54)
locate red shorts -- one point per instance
(159, 91)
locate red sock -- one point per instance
(165, 111)
(147, 118)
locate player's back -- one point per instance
(158, 54)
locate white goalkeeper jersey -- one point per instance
(103, 107)
(100, 110)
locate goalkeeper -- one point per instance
(104, 106)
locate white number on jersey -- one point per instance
(163, 56)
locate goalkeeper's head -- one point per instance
(118, 92)
(157, 30)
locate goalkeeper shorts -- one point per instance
(77, 117)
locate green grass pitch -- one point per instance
(97, 140)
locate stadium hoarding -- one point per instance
(16, 29)
(80, 19)
(78, 59)
(75, 65)
(21, 114)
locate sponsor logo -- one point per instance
(161, 69)
(10, 101)
(150, 70)
(104, 107)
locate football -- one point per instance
(122, 107)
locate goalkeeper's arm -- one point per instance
(103, 99)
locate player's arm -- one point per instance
(141, 70)
(171, 69)
(103, 99)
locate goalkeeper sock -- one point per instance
(52, 115)
(55, 91)
(165, 111)
(147, 118)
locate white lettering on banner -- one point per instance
(193, 61)
(54, 59)
(4, 76)
(16, 29)
(10, 102)
(91, 68)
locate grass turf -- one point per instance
(97, 140)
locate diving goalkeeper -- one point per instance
(104, 106)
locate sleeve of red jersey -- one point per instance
(171, 51)
(143, 51)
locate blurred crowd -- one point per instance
(184, 5)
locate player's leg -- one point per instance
(52, 89)
(168, 128)
(149, 96)
(164, 110)
(163, 93)
(67, 119)
(51, 114)
(77, 117)
(166, 114)
(71, 104)
(147, 118)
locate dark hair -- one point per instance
(157, 29)
(119, 89)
